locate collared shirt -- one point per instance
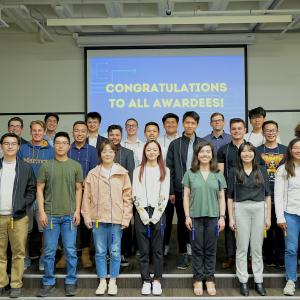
(87, 156)
(190, 152)
(49, 139)
(165, 140)
(219, 141)
(136, 147)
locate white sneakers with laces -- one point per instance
(156, 288)
(102, 287)
(146, 288)
(289, 289)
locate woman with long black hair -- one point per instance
(150, 191)
(204, 208)
(249, 210)
(287, 206)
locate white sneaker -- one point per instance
(289, 288)
(156, 288)
(166, 251)
(146, 289)
(101, 287)
(112, 288)
(189, 249)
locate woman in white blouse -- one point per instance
(287, 206)
(150, 191)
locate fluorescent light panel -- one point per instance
(170, 20)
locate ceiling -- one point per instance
(32, 16)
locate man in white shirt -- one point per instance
(132, 142)
(93, 121)
(170, 123)
(17, 192)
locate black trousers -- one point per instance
(273, 247)
(169, 212)
(147, 245)
(126, 242)
(84, 235)
(182, 231)
(204, 248)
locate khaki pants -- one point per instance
(17, 237)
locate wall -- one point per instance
(39, 77)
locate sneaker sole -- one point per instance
(182, 268)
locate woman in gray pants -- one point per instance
(249, 210)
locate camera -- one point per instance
(168, 12)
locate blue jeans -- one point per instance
(68, 230)
(291, 246)
(109, 236)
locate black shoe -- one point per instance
(244, 290)
(182, 262)
(70, 290)
(4, 289)
(15, 292)
(260, 289)
(124, 261)
(45, 290)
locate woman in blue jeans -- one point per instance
(107, 210)
(287, 206)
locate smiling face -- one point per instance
(10, 147)
(51, 124)
(151, 133)
(115, 136)
(15, 127)
(152, 151)
(295, 151)
(37, 133)
(205, 155)
(237, 131)
(80, 133)
(131, 127)
(93, 125)
(171, 126)
(107, 155)
(247, 155)
(270, 132)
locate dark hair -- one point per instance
(151, 124)
(160, 162)
(62, 134)
(297, 131)
(269, 122)
(258, 178)
(289, 161)
(93, 115)
(79, 123)
(15, 119)
(132, 119)
(169, 116)
(102, 146)
(113, 127)
(216, 114)
(258, 111)
(237, 120)
(4, 136)
(191, 114)
(213, 166)
(48, 115)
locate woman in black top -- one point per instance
(249, 210)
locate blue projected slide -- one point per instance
(148, 86)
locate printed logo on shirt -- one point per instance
(272, 162)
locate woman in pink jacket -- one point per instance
(107, 209)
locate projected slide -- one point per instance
(146, 86)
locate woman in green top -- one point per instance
(204, 207)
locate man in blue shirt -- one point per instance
(87, 156)
(218, 137)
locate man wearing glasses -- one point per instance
(15, 125)
(218, 137)
(132, 142)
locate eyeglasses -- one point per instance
(9, 144)
(270, 131)
(61, 143)
(218, 120)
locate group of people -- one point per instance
(94, 189)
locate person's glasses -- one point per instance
(216, 121)
(270, 131)
(9, 144)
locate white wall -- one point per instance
(39, 77)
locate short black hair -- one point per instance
(269, 122)
(168, 116)
(4, 136)
(191, 114)
(258, 111)
(132, 119)
(48, 115)
(151, 123)
(113, 127)
(216, 114)
(15, 119)
(62, 134)
(79, 122)
(93, 115)
(236, 120)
